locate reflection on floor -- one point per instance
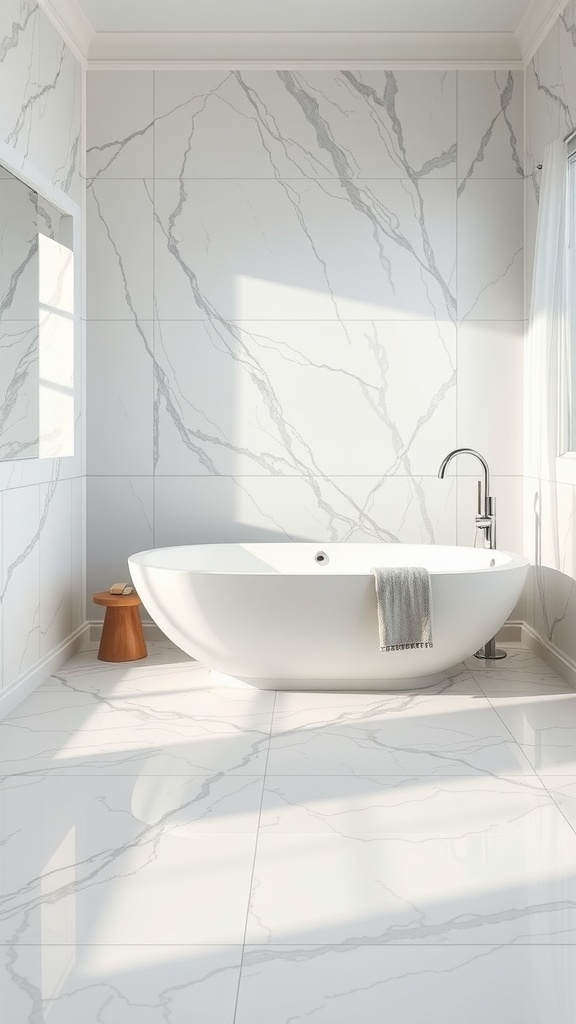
(176, 854)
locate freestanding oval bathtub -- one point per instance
(272, 616)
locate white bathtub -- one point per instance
(270, 615)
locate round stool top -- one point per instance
(116, 600)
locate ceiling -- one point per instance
(305, 15)
(291, 33)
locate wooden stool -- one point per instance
(122, 637)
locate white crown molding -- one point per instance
(536, 24)
(328, 50)
(304, 49)
(304, 65)
(72, 24)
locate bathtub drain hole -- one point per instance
(321, 557)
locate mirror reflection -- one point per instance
(36, 324)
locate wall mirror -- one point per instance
(36, 324)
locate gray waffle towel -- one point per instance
(404, 602)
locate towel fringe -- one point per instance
(406, 647)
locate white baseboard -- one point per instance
(150, 629)
(552, 655)
(15, 692)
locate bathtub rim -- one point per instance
(145, 559)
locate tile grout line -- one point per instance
(536, 773)
(241, 965)
(540, 777)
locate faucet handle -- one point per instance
(480, 509)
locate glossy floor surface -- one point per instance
(175, 854)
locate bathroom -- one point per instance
(300, 244)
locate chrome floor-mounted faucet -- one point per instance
(486, 523)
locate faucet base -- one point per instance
(490, 652)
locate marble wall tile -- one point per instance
(119, 124)
(567, 65)
(490, 250)
(490, 125)
(490, 391)
(349, 124)
(27, 472)
(545, 115)
(57, 614)
(19, 72)
(119, 522)
(208, 509)
(21, 525)
(41, 86)
(545, 109)
(56, 143)
(120, 396)
(554, 608)
(551, 511)
(269, 397)
(294, 250)
(305, 262)
(119, 250)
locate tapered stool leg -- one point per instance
(122, 637)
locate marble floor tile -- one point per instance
(125, 860)
(500, 879)
(428, 733)
(521, 674)
(544, 727)
(562, 789)
(369, 984)
(80, 732)
(345, 857)
(165, 681)
(352, 805)
(119, 984)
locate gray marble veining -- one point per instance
(279, 265)
(40, 505)
(145, 888)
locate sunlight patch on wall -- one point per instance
(56, 326)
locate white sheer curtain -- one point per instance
(548, 392)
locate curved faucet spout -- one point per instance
(467, 451)
(486, 518)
